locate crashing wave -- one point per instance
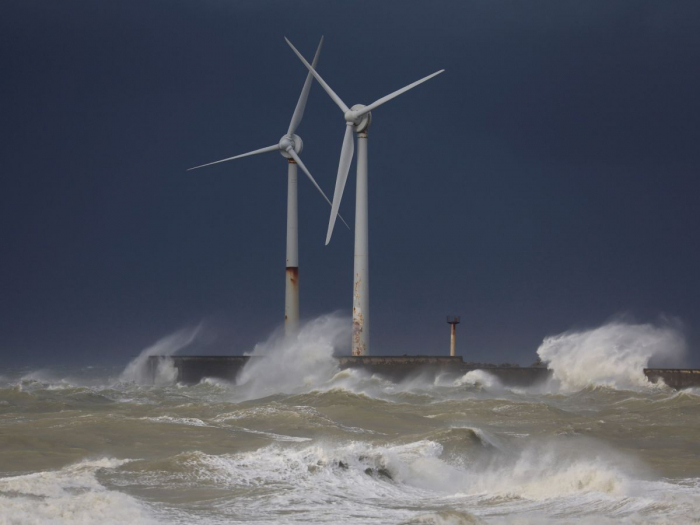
(613, 355)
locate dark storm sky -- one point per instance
(547, 181)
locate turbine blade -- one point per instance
(343, 168)
(256, 152)
(325, 86)
(313, 181)
(395, 94)
(301, 104)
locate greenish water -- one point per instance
(356, 449)
(298, 441)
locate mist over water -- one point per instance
(290, 365)
(299, 441)
(137, 370)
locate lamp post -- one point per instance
(453, 322)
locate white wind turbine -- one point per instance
(289, 146)
(358, 118)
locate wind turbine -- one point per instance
(290, 146)
(357, 118)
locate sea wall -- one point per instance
(401, 367)
(677, 378)
(192, 369)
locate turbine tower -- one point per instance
(357, 118)
(290, 146)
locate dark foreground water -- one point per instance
(329, 446)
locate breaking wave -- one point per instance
(613, 355)
(299, 441)
(70, 495)
(137, 370)
(399, 479)
(478, 378)
(291, 365)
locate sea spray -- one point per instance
(137, 370)
(69, 495)
(613, 355)
(478, 378)
(420, 470)
(330, 456)
(301, 363)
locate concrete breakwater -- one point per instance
(192, 369)
(397, 368)
(677, 378)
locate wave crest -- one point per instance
(613, 355)
(72, 494)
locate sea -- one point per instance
(297, 440)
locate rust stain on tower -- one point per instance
(358, 323)
(291, 301)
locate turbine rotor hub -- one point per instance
(359, 122)
(293, 141)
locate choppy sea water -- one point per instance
(300, 441)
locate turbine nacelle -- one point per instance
(359, 120)
(292, 141)
(290, 145)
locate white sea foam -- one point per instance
(539, 472)
(431, 472)
(478, 378)
(71, 495)
(40, 376)
(360, 381)
(445, 517)
(272, 435)
(187, 421)
(137, 370)
(44, 379)
(298, 364)
(612, 355)
(555, 477)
